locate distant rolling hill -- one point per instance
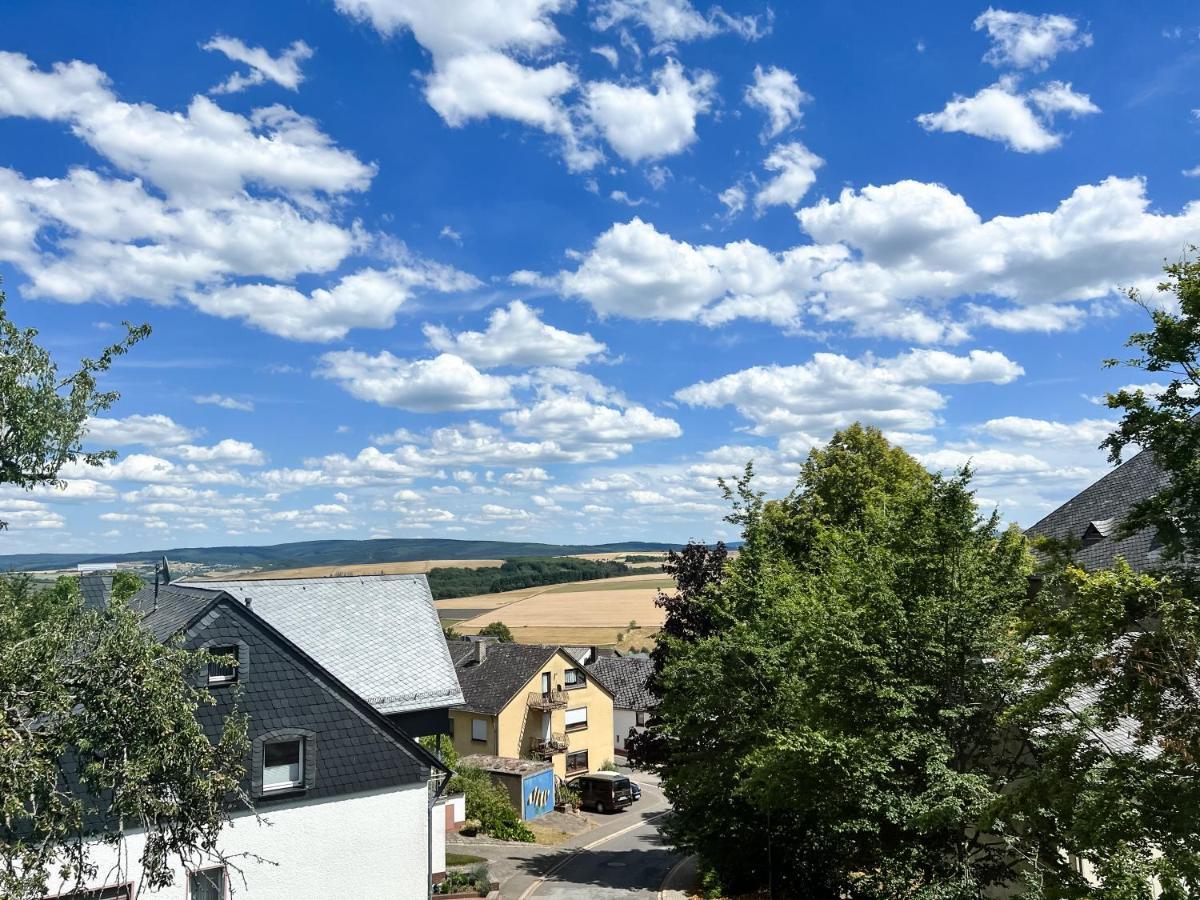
(325, 553)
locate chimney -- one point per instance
(480, 653)
(593, 655)
(247, 602)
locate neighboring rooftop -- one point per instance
(1093, 517)
(489, 685)
(626, 677)
(504, 765)
(379, 634)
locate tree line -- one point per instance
(514, 574)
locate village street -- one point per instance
(623, 856)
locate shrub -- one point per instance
(609, 766)
(488, 803)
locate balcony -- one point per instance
(548, 701)
(547, 747)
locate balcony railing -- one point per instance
(548, 700)
(556, 743)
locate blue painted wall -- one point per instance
(537, 794)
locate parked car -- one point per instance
(636, 790)
(603, 791)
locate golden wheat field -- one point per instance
(580, 613)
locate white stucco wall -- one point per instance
(437, 816)
(623, 720)
(366, 846)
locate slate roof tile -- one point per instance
(626, 677)
(380, 634)
(1102, 506)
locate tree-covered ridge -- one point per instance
(515, 574)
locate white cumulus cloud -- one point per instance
(776, 92)
(284, 69)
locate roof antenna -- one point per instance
(157, 569)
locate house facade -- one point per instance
(522, 701)
(341, 797)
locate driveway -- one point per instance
(624, 856)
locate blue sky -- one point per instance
(542, 270)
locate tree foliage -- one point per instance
(1165, 422)
(99, 735)
(498, 630)
(43, 415)
(830, 698)
(1114, 715)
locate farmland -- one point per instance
(577, 614)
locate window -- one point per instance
(574, 678)
(224, 668)
(577, 762)
(641, 717)
(577, 719)
(283, 765)
(207, 884)
(479, 730)
(545, 682)
(452, 727)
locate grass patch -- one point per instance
(463, 859)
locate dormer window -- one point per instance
(223, 666)
(1097, 531)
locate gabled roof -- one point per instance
(172, 609)
(626, 677)
(380, 634)
(491, 685)
(1094, 515)
(487, 687)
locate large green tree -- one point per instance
(98, 726)
(831, 731)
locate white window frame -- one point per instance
(580, 724)
(290, 784)
(224, 679)
(478, 726)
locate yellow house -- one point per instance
(530, 702)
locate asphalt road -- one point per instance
(624, 858)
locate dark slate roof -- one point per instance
(379, 634)
(626, 678)
(175, 607)
(95, 589)
(488, 686)
(1097, 512)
